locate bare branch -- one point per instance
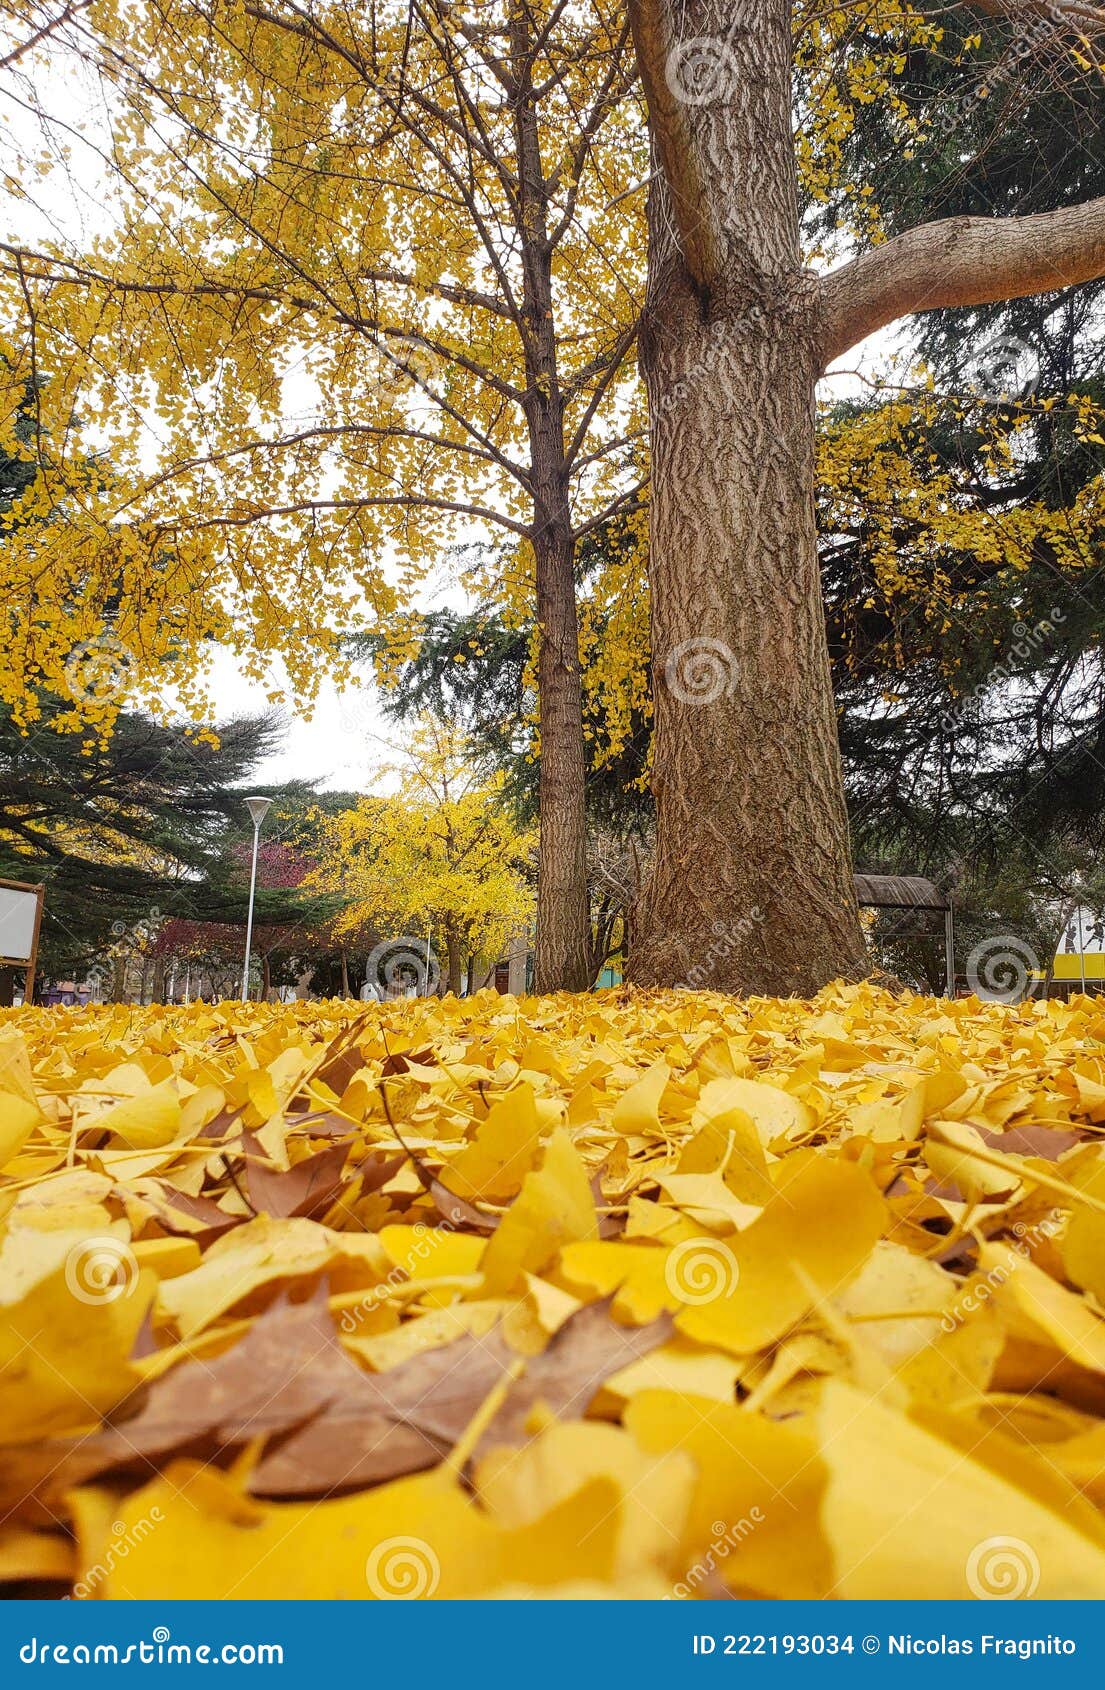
(960, 261)
(408, 501)
(51, 26)
(1078, 13)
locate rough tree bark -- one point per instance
(751, 887)
(563, 959)
(751, 882)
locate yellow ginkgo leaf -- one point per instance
(144, 1122)
(754, 1517)
(506, 1146)
(262, 1253)
(812, 1238)
(518, 1487)
(944, 1513)
(636, 1272)
(774, 1112)
(18, 1120)
(638, 1108)
(1082, 1243)
(420, 1537)
(65, 1345)
(726, 1139)
(554, 1207)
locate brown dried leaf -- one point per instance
(410, 1417)
(307, 1189)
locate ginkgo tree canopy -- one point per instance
(294, 355)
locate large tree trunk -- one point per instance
(751, 885)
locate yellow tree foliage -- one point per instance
(360, 281)
(443, 856)
(301, 339)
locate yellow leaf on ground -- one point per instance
(812, 1238)
(754, 1518)
(506, 1146)
(554, 1207)
(932, 1519)
(18, 1120)
(417, 1537)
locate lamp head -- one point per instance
(258, 809)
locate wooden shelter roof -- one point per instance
(899, 892)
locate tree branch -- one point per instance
(960, 261)
(1078, 14)
(674, 140)
(407, 501)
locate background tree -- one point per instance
(963, 517)
(298, 946)
(442, 857)
(115, 830)
(479, 670)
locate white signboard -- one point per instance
(18, 920)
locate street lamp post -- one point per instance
(258, 809)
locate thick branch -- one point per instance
(960, 261)
(1077, 13)
(675, 142)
